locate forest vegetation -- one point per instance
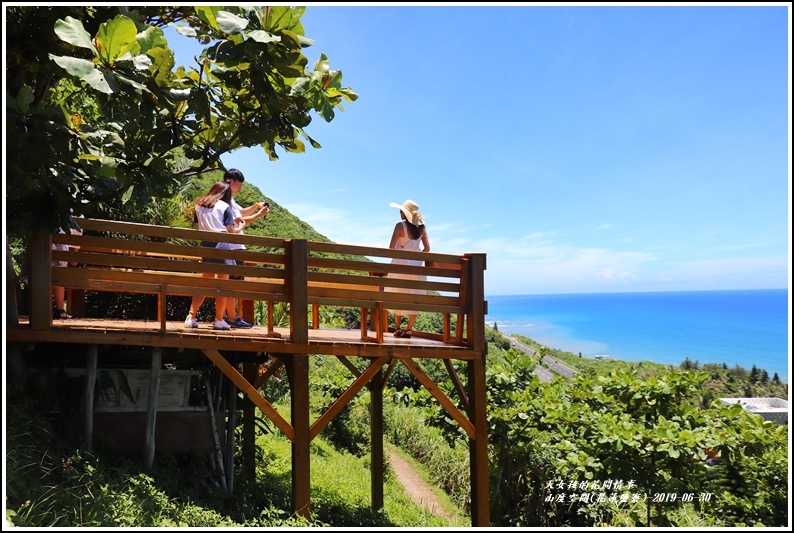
(647, 446)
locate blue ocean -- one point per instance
(741, 327)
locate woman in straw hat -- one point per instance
(408, 234)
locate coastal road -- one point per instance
(543, 374)
(558, 367)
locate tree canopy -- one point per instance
(99, 117)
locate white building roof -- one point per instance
(774, 409)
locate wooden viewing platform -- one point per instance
(133, 258)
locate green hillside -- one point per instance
(279, 223)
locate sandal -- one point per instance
(60, 313)
(407, 334)
(399, 332)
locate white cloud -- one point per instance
(551, 262)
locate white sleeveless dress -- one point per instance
(405, 243)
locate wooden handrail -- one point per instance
(168, 261)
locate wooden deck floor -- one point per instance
(256, 339)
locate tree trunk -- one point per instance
(15, 365)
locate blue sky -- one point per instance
(582, 148)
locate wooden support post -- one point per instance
(88, 407)
(298, 374)
(40, 259)
(376, 440)
(478, 446)
(151, 411)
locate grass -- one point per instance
(53, 487)
(341, 491)
(459, 519)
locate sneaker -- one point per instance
(221, 324)
(238, 323)
(191, 322)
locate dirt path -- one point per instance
(416, 488)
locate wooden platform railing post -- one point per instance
(297, 274)
(246, 311)
(40, 262)
(315, 316)
(151, 411)
(75, 302)
(162, 307)
(478, 447)
(363, 322)
(376, 440)
(378, 317)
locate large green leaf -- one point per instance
(74, 66)
(209, 15)
(152, 37)
(102, 82)
(115, 38)
(263, 36)
(230, 23)
(71, 30)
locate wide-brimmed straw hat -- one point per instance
(411, 211)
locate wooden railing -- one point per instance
(167, 261)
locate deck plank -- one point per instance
(256, 339)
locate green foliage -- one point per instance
(124, 118)
(448, 466)
(52, 487)
(349, 430)
(652, 426)
(658, 434)
(599, 428)
(496, 339)
(280, 223)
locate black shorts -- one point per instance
(221, 246)
(239, 263)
